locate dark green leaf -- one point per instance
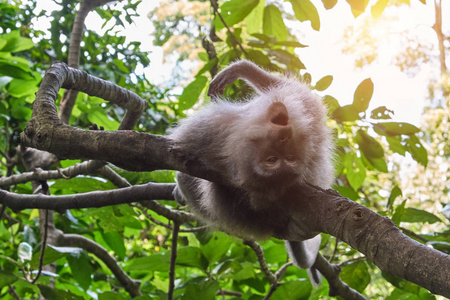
(114, 296)
(13, 70)
(418, 152)
(381, 113)
(363, 94)
(191, 257)
(52, 293)
(356, 275)
(329, 4)
(346, 113)
(234, 11)
(81, 270)
(205, 289)
(324, 83)
(7, 278)
(115, 242)
(208, 66)
(305, 10)
(395, 128)
(53, 253)
(191, 93)
(273, 23)
(368, 145)
(414, 215)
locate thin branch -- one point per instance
(75, 240)
(173, 260)
(262, 261)
(233, 37)
(43, 244)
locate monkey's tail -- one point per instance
(304, 255)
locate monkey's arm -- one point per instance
(246, 70)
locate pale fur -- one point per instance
(220, 134)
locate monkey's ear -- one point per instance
(278, 114)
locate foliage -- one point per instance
(209, 263)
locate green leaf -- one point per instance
(395, 128)
(395, 144)
(288, 59)
(191, 93)
(53, 253)
(331, 103)
(3, 42)
(417, 150)
(115, 242)
(329, 4)
(378, 8)
(298, 289)
(115, 296)
(7, 278)
(347, 192)
(5, 234)
(19, 88)
(155, 262)
(362, 95)
(290, 44)
(191, 257)
(395, 192)
(216, 247)
(324, 83)
(273, 23)
(254, 20)
(99, 117)
(17, 44)
(234, 11)
(356, 275)
(81, 270)
(414, 215)
(205, 289)
(346, 113)
(52, 293)
(305, 10)
(381, 113)
(356, 172)
(15, 70)
(208, 66)
(81, 185)
(398, 213)
(368, 145)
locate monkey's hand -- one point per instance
(226, 76)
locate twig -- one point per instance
(262, 261)
(43, 244)
(216, 10)
(173, 259)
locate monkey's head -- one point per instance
(276, 149)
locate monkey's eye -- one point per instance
(290, 158)
(271, 159)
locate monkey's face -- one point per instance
(275, 147)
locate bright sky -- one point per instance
(393, 89)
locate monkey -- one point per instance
(263, 145)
